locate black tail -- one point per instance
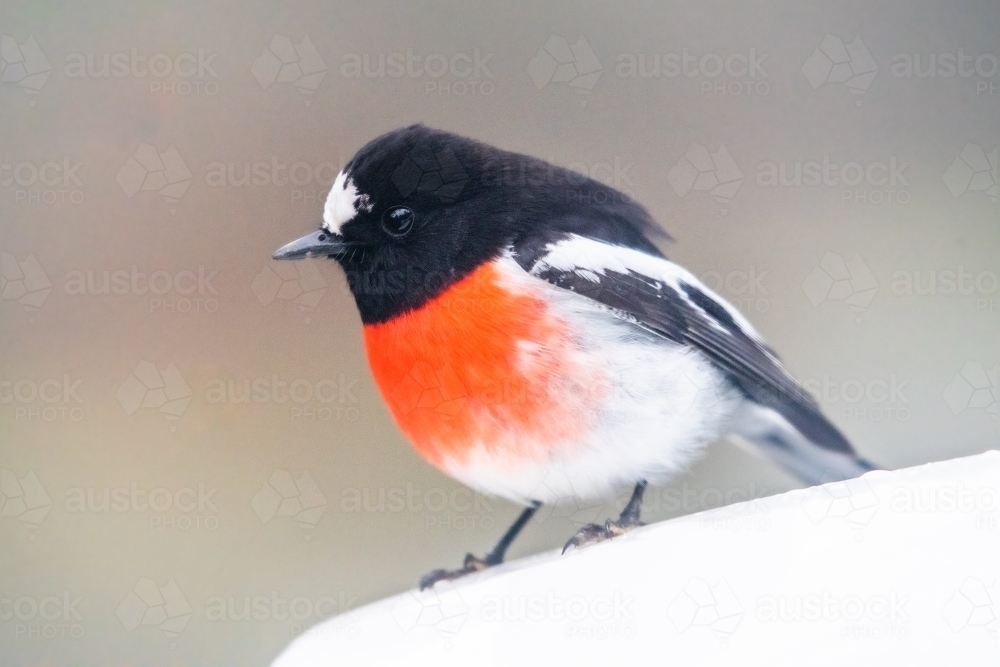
(814, 455)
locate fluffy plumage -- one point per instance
(530, 338)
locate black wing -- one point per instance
(685, 313)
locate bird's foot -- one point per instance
(469, 565)
(593, 533)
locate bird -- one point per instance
(533, 342)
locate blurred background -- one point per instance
(196, 465)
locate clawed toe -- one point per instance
(469, 565)
(589, 534)
(593, 533)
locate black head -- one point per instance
(417, 209)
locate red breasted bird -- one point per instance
(532, 342)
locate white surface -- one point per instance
(894, 568)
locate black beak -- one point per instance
(316, 244)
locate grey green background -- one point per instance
(938, 351)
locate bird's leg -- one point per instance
(494, 557)
(628, 520)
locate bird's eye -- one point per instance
(397, 221)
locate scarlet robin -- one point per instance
(532, 342)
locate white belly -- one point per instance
(661, 405)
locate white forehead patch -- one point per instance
(343, 203)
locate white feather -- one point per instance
(580, 254)
(343, 203)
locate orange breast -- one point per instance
(480, 365)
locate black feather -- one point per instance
(704, 324)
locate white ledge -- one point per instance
(894, 568)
